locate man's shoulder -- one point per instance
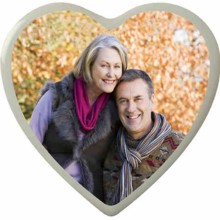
(174, 138)
(177, 134)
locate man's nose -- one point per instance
(131, 106)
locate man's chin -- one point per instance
(131, 130)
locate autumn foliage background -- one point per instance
(167, 46)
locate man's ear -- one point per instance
(152, 101)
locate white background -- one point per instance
(31, 189)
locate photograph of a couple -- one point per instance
(110, 106)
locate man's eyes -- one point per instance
(122, 101)
(138, 99)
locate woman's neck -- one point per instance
(92, 93)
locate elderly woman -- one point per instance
(76, 118)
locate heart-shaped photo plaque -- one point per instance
(110, 103)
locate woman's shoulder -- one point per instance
(64, 83)
(60, 90)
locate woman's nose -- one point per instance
(110, 72)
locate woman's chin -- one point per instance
(108, 90)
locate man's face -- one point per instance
(134, 107)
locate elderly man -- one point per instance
(144, 141)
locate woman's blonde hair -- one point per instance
(84, 63)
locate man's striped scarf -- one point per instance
(132, 157)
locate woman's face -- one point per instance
(106, 70)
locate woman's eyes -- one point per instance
(108, 66)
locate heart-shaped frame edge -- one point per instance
(110, 24)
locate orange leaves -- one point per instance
(165, 45)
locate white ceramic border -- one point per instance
(111, 23)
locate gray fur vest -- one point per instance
(63, 141)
